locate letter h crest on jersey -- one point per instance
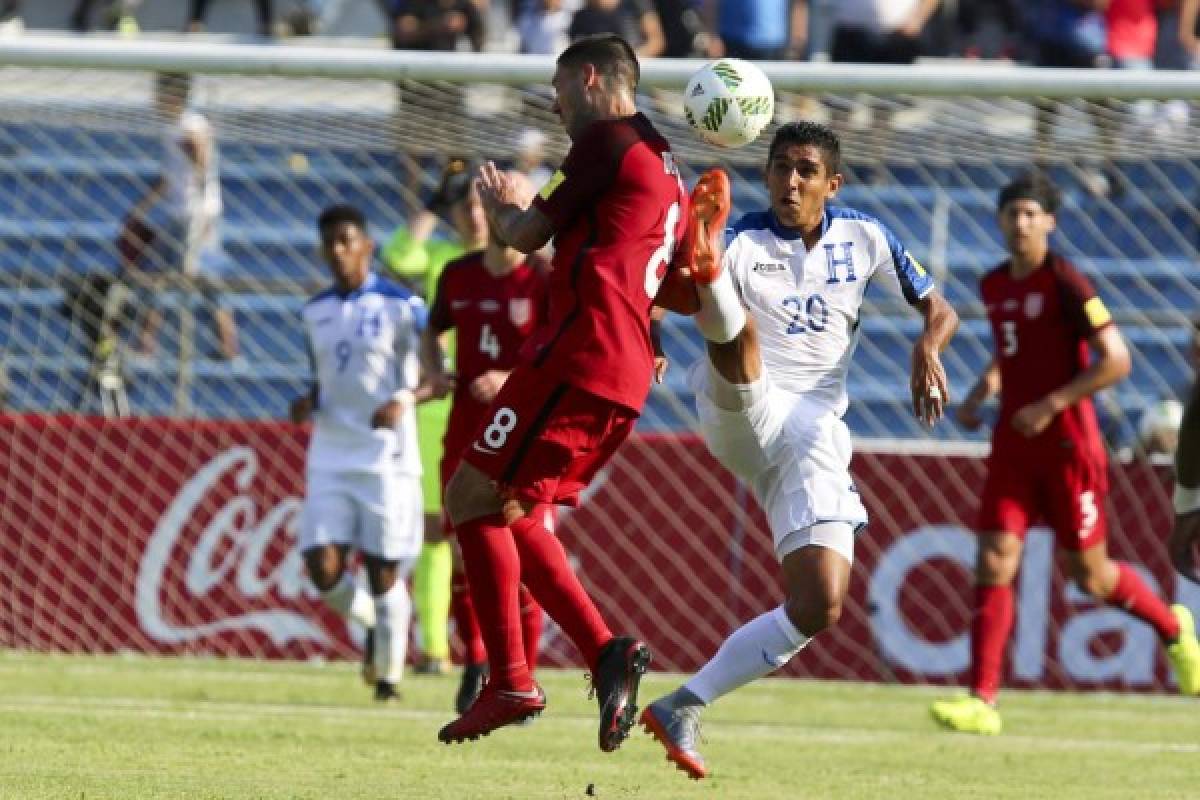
(838, 255)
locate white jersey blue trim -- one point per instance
(806, 303)
(363, 347)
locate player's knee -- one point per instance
(997, 560)
(814, 613)
(324, 569)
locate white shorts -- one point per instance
(794, 454)
(378, 514)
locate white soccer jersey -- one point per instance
(806, 303)
(364, 349)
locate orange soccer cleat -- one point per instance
(703, 243)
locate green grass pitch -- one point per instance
(133, 727)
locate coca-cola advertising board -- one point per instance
(168, 536)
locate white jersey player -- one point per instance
(363, 474)
(780, 313)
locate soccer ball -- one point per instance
(728, 102)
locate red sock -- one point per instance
(494, 576)
(531, 627)
(548, 574)
(989, 634)
(465, 620)
(1133, 595)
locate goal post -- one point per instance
(668, 540)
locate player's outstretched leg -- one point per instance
(817, 575)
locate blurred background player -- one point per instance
(1185, 536)
(363, 474)
(493, 299)
(417, 258)
(1048, 458)
(182, 212)
(615, 209)
(772, 392)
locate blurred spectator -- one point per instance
(181, 214)
(635, 21)
(119, 15)
(543, 27)
(989, 28)
(530, 157)
(880, 31)
(1073, 34)
(199, 10)
(436, 24)
(682, 27)
(1132, 32)
(11, 21)
(757, 30)
(1188, 12)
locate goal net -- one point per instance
(151, 488)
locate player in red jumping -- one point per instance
(1048, 459)
(615, 209)
(495, 299)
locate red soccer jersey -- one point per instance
(493, 315)
(618, 207)
(1041, 325)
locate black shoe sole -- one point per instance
(615, 725)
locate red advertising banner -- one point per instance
(169, 536)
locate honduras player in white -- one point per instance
(772, 392)
(363, 473)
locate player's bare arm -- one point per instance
(432, 355)
(486, 386)
(513, 218)
(985, 388)
(930, 389)
(1110, 365)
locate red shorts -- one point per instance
(543, 441)
(1069, 494)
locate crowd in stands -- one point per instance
(1129, 34)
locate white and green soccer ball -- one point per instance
(729, 102)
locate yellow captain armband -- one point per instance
(1186, 500)
(553, 183)
(1097, 313)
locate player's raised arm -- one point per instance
(928, 383)
(510, 212)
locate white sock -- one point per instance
(393, 612)
(761, 646)
(733, 396)
(351, 601)
(721, 316)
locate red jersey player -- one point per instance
(615, 209)
(495, 300)
(1047, 458)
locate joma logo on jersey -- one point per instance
(768, 267)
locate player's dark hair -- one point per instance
(803, 133)
(611, 55)
(1035, 186)
(341, 213)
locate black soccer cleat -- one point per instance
(619, 670)
(471, 684)
(385, 692)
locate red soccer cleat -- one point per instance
(703, 242)
(494, 709)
